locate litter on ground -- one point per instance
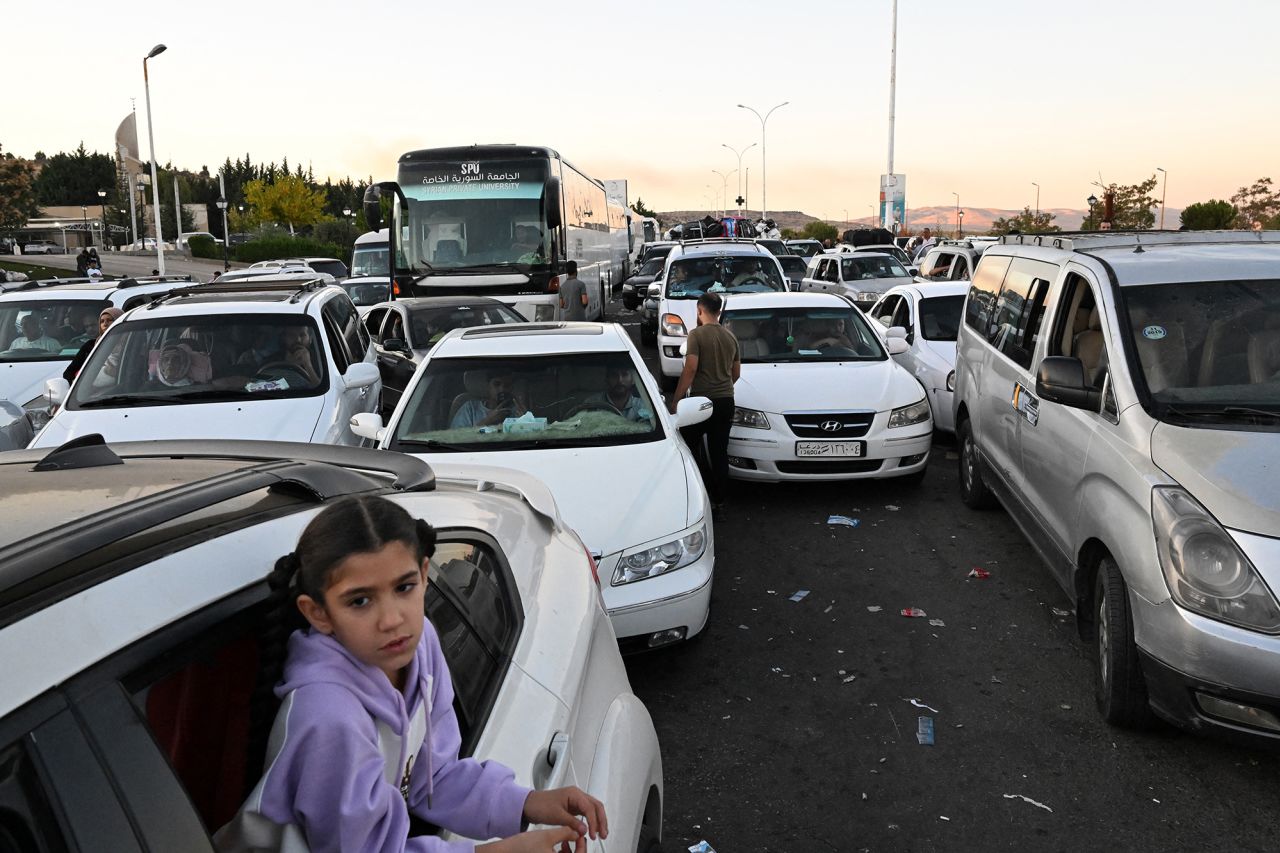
(937, 623)
(924, 731)
(1028, 800)
(980, 574)
(874, 608)
(913, 612)
(702, 847)
(1059, 612)
(799, 595)
(892, 508)
(842, 520)
(920, 704)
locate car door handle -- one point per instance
(557, 761)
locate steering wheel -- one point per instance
(276, 367)
(594, 406)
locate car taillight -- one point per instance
(553, 284)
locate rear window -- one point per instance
(337, 269)
(940, 317)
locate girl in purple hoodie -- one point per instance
(366, 733)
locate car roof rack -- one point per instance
(694, 241)
(139, 280)
(33, 567)
(296, 287)
(1081, 240)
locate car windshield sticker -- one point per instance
(1026, 404)
(1154, 333)
(268, 385)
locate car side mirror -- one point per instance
(655, 290)
(56, 390)
(897, 346)
(362, 374)
(899, 332)
(395, 345)
(368, 425)
(554, 216)
(691, 411)
(1061, 380)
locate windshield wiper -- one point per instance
(131, 400)
(1224, 412)
(432, 444)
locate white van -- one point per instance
(370, 254)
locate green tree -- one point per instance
(1026, 222)
(1212, 215)
(75, 178)
(640, 208)
(288, 200)
(816, 229)
(1258, 203)
(17, 194)
(1131, 208)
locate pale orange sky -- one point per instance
(992, 94)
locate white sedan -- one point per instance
(573, 405)
(927, 316)
(819, 397)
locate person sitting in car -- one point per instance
(752, 271)
(33, 336)
(822, 334)
(619, 395)
(296, 345)
(500, 404)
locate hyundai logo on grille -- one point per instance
(831, 426)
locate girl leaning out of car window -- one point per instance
(366, 733)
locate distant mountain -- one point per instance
(976, 219)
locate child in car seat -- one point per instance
(366, 733)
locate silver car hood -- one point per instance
(1233, 473)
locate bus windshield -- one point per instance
(479, 214)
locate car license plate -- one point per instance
(830, 448)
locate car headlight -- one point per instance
(866, 296)
(951, 381)
(916, 413)
(644, 563)
(37, 410)
(673, 326)
(750, 418)
(1205, 569)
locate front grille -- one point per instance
(849, 424)
(830, 466)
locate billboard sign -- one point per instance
(893, 202)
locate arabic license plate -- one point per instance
(830, 448)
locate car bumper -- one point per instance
(669, 357)
(677, 600)
(1199, 672)
(770, 455)
(941, 400)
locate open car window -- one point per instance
(577, 400)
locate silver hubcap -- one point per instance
(969, 463)
(1104, 639)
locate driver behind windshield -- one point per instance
(33, 335)
(620, 395)
(820, 334)
(500, 404)
(751, 272)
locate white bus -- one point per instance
(369, 257)
(501, 221)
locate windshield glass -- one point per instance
(940, 317)
(475, 214)
(364, 293)
(777, 247)
(370, 259)
(203, 359)
(803, 334)
(653, 267)
(888, 250)
(431, 324)
(805, 248)
(337, 269)
(580, 400)
(1208, 347)
(859, 267)
(46, 329)
(792, 263)
(691, 277)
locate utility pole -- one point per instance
(887, 208)
(1163, 192)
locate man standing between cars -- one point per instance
(712, 363)
(925, 244)
(573, 294)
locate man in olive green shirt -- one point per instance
(712, 364)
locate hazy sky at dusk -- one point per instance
(992, 94)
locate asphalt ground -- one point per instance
(789, 725)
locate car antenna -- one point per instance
(1139, 250)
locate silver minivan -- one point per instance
(1119, 393)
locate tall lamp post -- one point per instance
(1037, 186)
(226, 238)
(126, 225)
(1092, 199)
(1163, 190)
(957, 195)
(960, 222)
(739, 169)
(724, 188)
(84, 219)
(151, 139)
(102, 199)
(764, 153)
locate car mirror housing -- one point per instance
(395, 345)
(896, 332)
(691, 411)
(56, 390)
(368, 425)
(1060, 379)
(362, 374)
(897, 346)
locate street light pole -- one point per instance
(1037, 186)
(1163, 191)
(102, 199)
(1092, 199)
(739, 169)
(724, 185)
(960, 222)
(764, 153)
(151, 139)
(957, 195)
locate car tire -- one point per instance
(648, 335)
(973, 489)
(1120, 688)
(648, 841)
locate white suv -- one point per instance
(283, 361)
(1120, 395)
(134, 600)
(695, 267)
